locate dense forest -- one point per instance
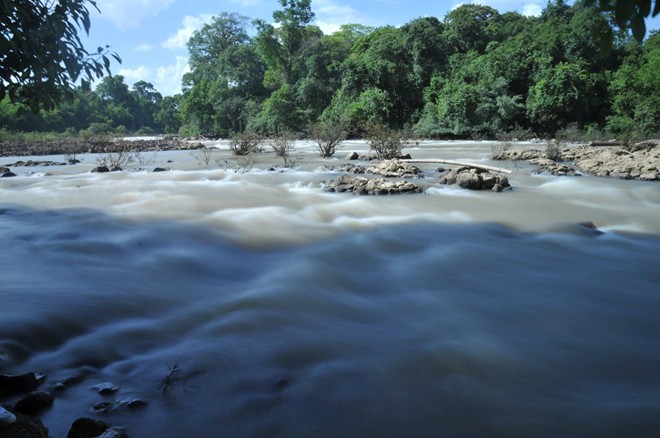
(476, 73)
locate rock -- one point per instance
(475, 179)
(74, 161)
(68, 382)
(114, 432)
(87, 428)
(116, 169)
(352, 156)
(20, 383)
(105, 407)
(371, 186)
(34, 403)
(394, 169)
(25, 426)
(7, 175)
(100, 169)
(160, 169)
(6, 417)
(106, 388)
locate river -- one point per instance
(292, 312)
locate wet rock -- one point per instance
(160, 169)
(8, 174)
(394, 169)
(475, 179)
(34, 403)
(87, 428)
(19, 383)
(352, 168)
(116, 169)
(133, 403)
(74, 161)
(371, 186)
(6, 417)
(352, 156)
(515, 155)
(25, 426)
(114, 432)
(31, 163)
(281, 385)
(106, 388)
(100, 169)
(553, 168)
(68, 382)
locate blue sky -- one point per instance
(150, 35)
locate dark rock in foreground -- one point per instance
(25, 426)
(34, 403)
(87, 428)
(19, 383)
(475, 179)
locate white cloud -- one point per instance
(133, 75)
(331, 15)
(168, 78)
(529, 8)
(532, 10)
(142, 48)
(247, 3)
(127, 14)
(189, 25)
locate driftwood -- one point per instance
(463, 163)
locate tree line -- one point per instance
(477, 73)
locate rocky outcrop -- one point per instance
(394, 169)
(515, 155)
(642, 161)
(374, 186)
(31, 163)
(34, 403)
(475, 179)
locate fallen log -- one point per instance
(462, 163)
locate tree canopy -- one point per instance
(474, 73)
(41, 54)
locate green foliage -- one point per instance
(328, 134)
(388, 143)
(42, 53)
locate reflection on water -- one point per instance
(294, 312)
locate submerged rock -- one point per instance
(352, 156)
(106, 388)
(475, 179)
(100, 169)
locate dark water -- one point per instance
(417, 330)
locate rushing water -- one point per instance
(293, 312)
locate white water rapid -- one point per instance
(292, 312)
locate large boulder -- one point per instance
(475, 179)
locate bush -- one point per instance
(282, 145)
(328, 135)
(388, 143)
(244, 143)
(553, 150)
(498, 149)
